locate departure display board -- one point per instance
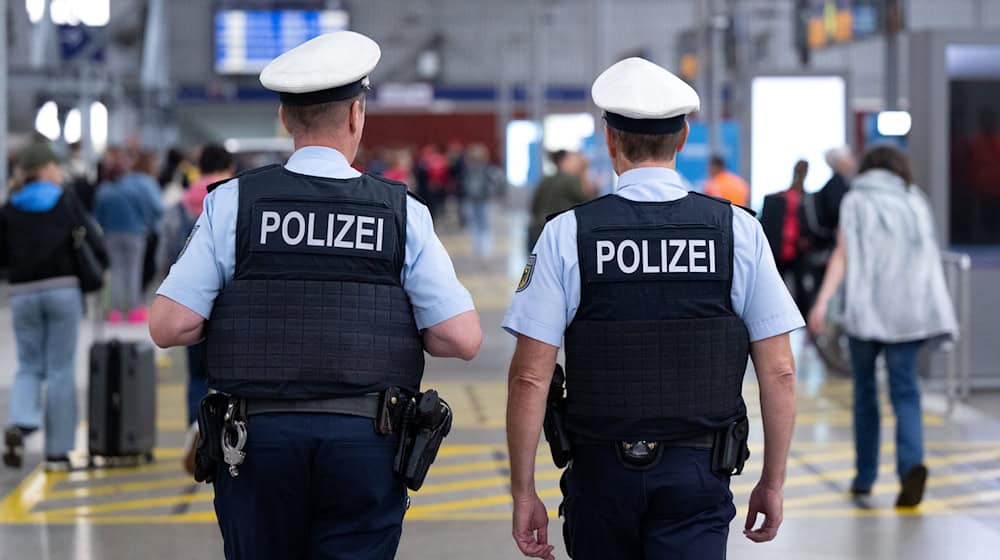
(246, 40)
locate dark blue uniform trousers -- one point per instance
(313, 486)
(678, 509)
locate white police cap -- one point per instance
(331, 67)
(641, 97)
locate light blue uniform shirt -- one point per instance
(207, 264)
(547, 305)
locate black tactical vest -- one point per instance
(655, 350)
(316, 307)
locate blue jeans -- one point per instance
(46, 325)
(317, 486)
(477, 219)
(677, 508)
(904, 392)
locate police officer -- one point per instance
(660, 296)
(316, 288)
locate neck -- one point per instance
(622, 166)
(339, 143)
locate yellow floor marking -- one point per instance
(467, 516)
(887, 467)
(888, 489)
(977, 498)
(25, 496)
(120, 488)
(190, 517)
(455, 450)
(438, 470)
(124, 472)
(844, 418)
(172, 425)
(471, 503)
(126, 505)
(477, 483)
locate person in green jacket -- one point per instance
(555, 193)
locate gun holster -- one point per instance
(554, 424)
(425, 423)
(211, 423)
(730, 450)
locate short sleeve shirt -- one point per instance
(547, 300)
(208, 261)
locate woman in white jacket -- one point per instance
(895, 301)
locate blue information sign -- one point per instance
(246, 40)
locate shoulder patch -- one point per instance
(529, 271)
(187, 242)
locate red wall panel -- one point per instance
(414, 130)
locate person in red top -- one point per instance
(780, 219)
(400, 168)
(215, 164)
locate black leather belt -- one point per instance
(705, 441)
(366, 406)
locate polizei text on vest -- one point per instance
(657, 256)
(342, 231)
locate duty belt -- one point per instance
(643, 454)
(366, 406)
(704, 441)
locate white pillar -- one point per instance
(42, 37)
(3, 102)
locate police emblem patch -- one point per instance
(529, 270)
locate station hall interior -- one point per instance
(483, 109)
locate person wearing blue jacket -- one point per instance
(37, 226)
(128, 207)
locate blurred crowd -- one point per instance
(67, 220)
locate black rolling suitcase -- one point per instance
(122, 401)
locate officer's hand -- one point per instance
(531, 527)
(769, 502)
(817, 319)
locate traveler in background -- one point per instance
(80, 176)
(558, 192)
(142, 178)
(455, 153)
(895, 300)
(433, 178)
(400, 167)
(818, 219)
(177, 169)
(481, 182)
(723, 183)
(822, 211)
(127, 211)
(781, 221)
(36, 246)
(214, 164)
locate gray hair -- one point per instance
(834, 155)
